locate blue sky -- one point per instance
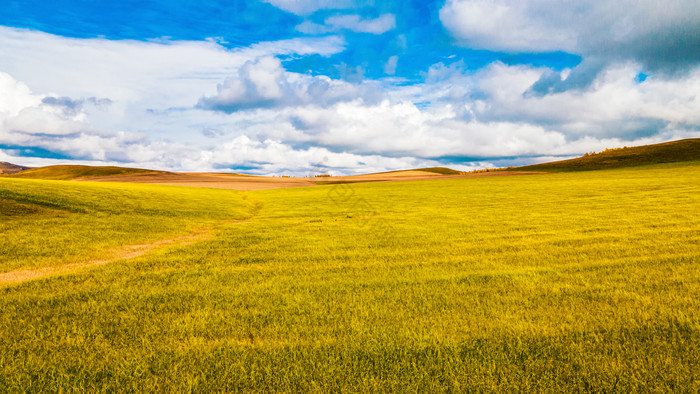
(283, 86)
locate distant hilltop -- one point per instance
(9, 168)
(668, 152)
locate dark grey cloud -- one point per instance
(579, 78)
(675, 49)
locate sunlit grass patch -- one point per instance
(46, 223)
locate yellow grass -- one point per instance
(558, 282)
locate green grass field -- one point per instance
(585, 281)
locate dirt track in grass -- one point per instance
(219, 181)
(123, 253)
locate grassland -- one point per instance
(583, 281)
(49, 223)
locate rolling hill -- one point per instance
(669, 152)
(220, 180)
(69, 172)
(441, 171)
(430, 170)
(9, 168)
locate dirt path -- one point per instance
(123, 253)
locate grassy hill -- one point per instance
(435, 170)
(575, 282)
(441, 170)
(9, 168)
(68, 172)
(669, 152)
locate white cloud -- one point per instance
(615, 105)
(264, 83)
(378, 25)
(490, 115)
(390, 65)
(152, 74)
(355, 23)
(506, 26)
(15, 96)
(306, 7)
(143, 80)
(131, 103)
(402, 129)
(23, 111)
(272, 156)
(660, 35)
(59, 125)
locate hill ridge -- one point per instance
(666, 152)
(9, 168)
(71, 171)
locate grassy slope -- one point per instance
(68, 172)
(46, 223)
(669, 152)
(559, 282)
(441, 170)
(437, 170)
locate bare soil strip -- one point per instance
(218, 181)
(126, 252)
(253, 182)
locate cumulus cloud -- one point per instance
(355, 23)
(23, 111)
(58, 126)
(508, 25)
(272, 156)
(264, 83)
(133, 103)
(462, 116)
(147, 87)
(402, 129)
(488, 119)
(32, 122)
(158, 74)
(662, 37)
(616, 104)
(491, 116)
